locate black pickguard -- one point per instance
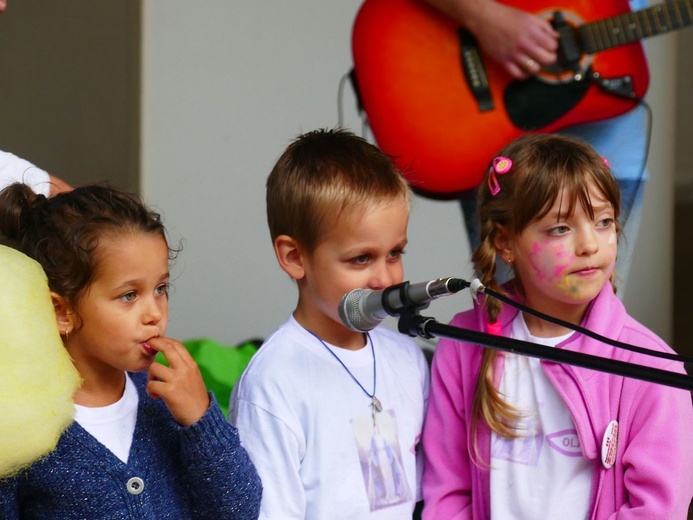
(532, 104)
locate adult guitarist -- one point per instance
(522, 42)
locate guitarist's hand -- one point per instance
(521, 42)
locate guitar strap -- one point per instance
(474, 71)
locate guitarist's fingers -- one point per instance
(532, 62)
(545, 49)
(530, 66)
(548, 35)
(539, 46)
(512, 36)
(515, 70)
(544, 57)
(525, 67)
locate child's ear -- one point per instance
(64, 314)
(290, 256)
(503, 243)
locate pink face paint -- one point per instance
(548, 260)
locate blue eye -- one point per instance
(362, 259)
(396, 254)
(128, 297)
(558, 230)
(162, 289)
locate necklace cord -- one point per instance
(368, 337)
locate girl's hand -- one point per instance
(180, 384)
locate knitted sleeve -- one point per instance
(223, 481)
(9, 502)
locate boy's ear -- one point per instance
(502, 241)
(64, 314)
(290, 256)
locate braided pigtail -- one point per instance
(485, 263)
(488, 404)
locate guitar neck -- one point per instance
(634, 26)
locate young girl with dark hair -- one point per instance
(148, 440)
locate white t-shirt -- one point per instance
(308, 426)
(541, 474)
(14, 169)
(112, 425)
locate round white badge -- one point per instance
(609, 444)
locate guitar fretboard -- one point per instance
(634, 26)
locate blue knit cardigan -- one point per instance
(173, 472)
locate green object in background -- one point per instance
(220, 365)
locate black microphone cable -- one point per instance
(623, 88)
(476, 286)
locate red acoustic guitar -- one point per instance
(442, 109)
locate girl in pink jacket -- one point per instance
(509, 436)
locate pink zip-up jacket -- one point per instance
(652, 476)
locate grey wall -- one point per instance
(70, 86)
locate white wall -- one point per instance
(226, 86)
(650, 283)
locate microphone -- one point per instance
(363, 309)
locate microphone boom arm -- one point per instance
(412, 324)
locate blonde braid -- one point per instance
(488, 404)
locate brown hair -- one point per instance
(62, 233)
(322, 174)
(544, 167)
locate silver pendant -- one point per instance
(377, 405)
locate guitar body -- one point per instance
(422, 111)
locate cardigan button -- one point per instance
(135, 486)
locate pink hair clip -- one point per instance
(500, 165)
(606, 162)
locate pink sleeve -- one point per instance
(658, 457)
(446, 484)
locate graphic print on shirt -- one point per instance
(565, 442)
(381, 459)
(521, 450)
(526, 449)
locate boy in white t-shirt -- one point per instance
(332, 417)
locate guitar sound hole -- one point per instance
(572, 60)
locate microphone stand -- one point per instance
(412, 324)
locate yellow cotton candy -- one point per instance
(37, 377)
